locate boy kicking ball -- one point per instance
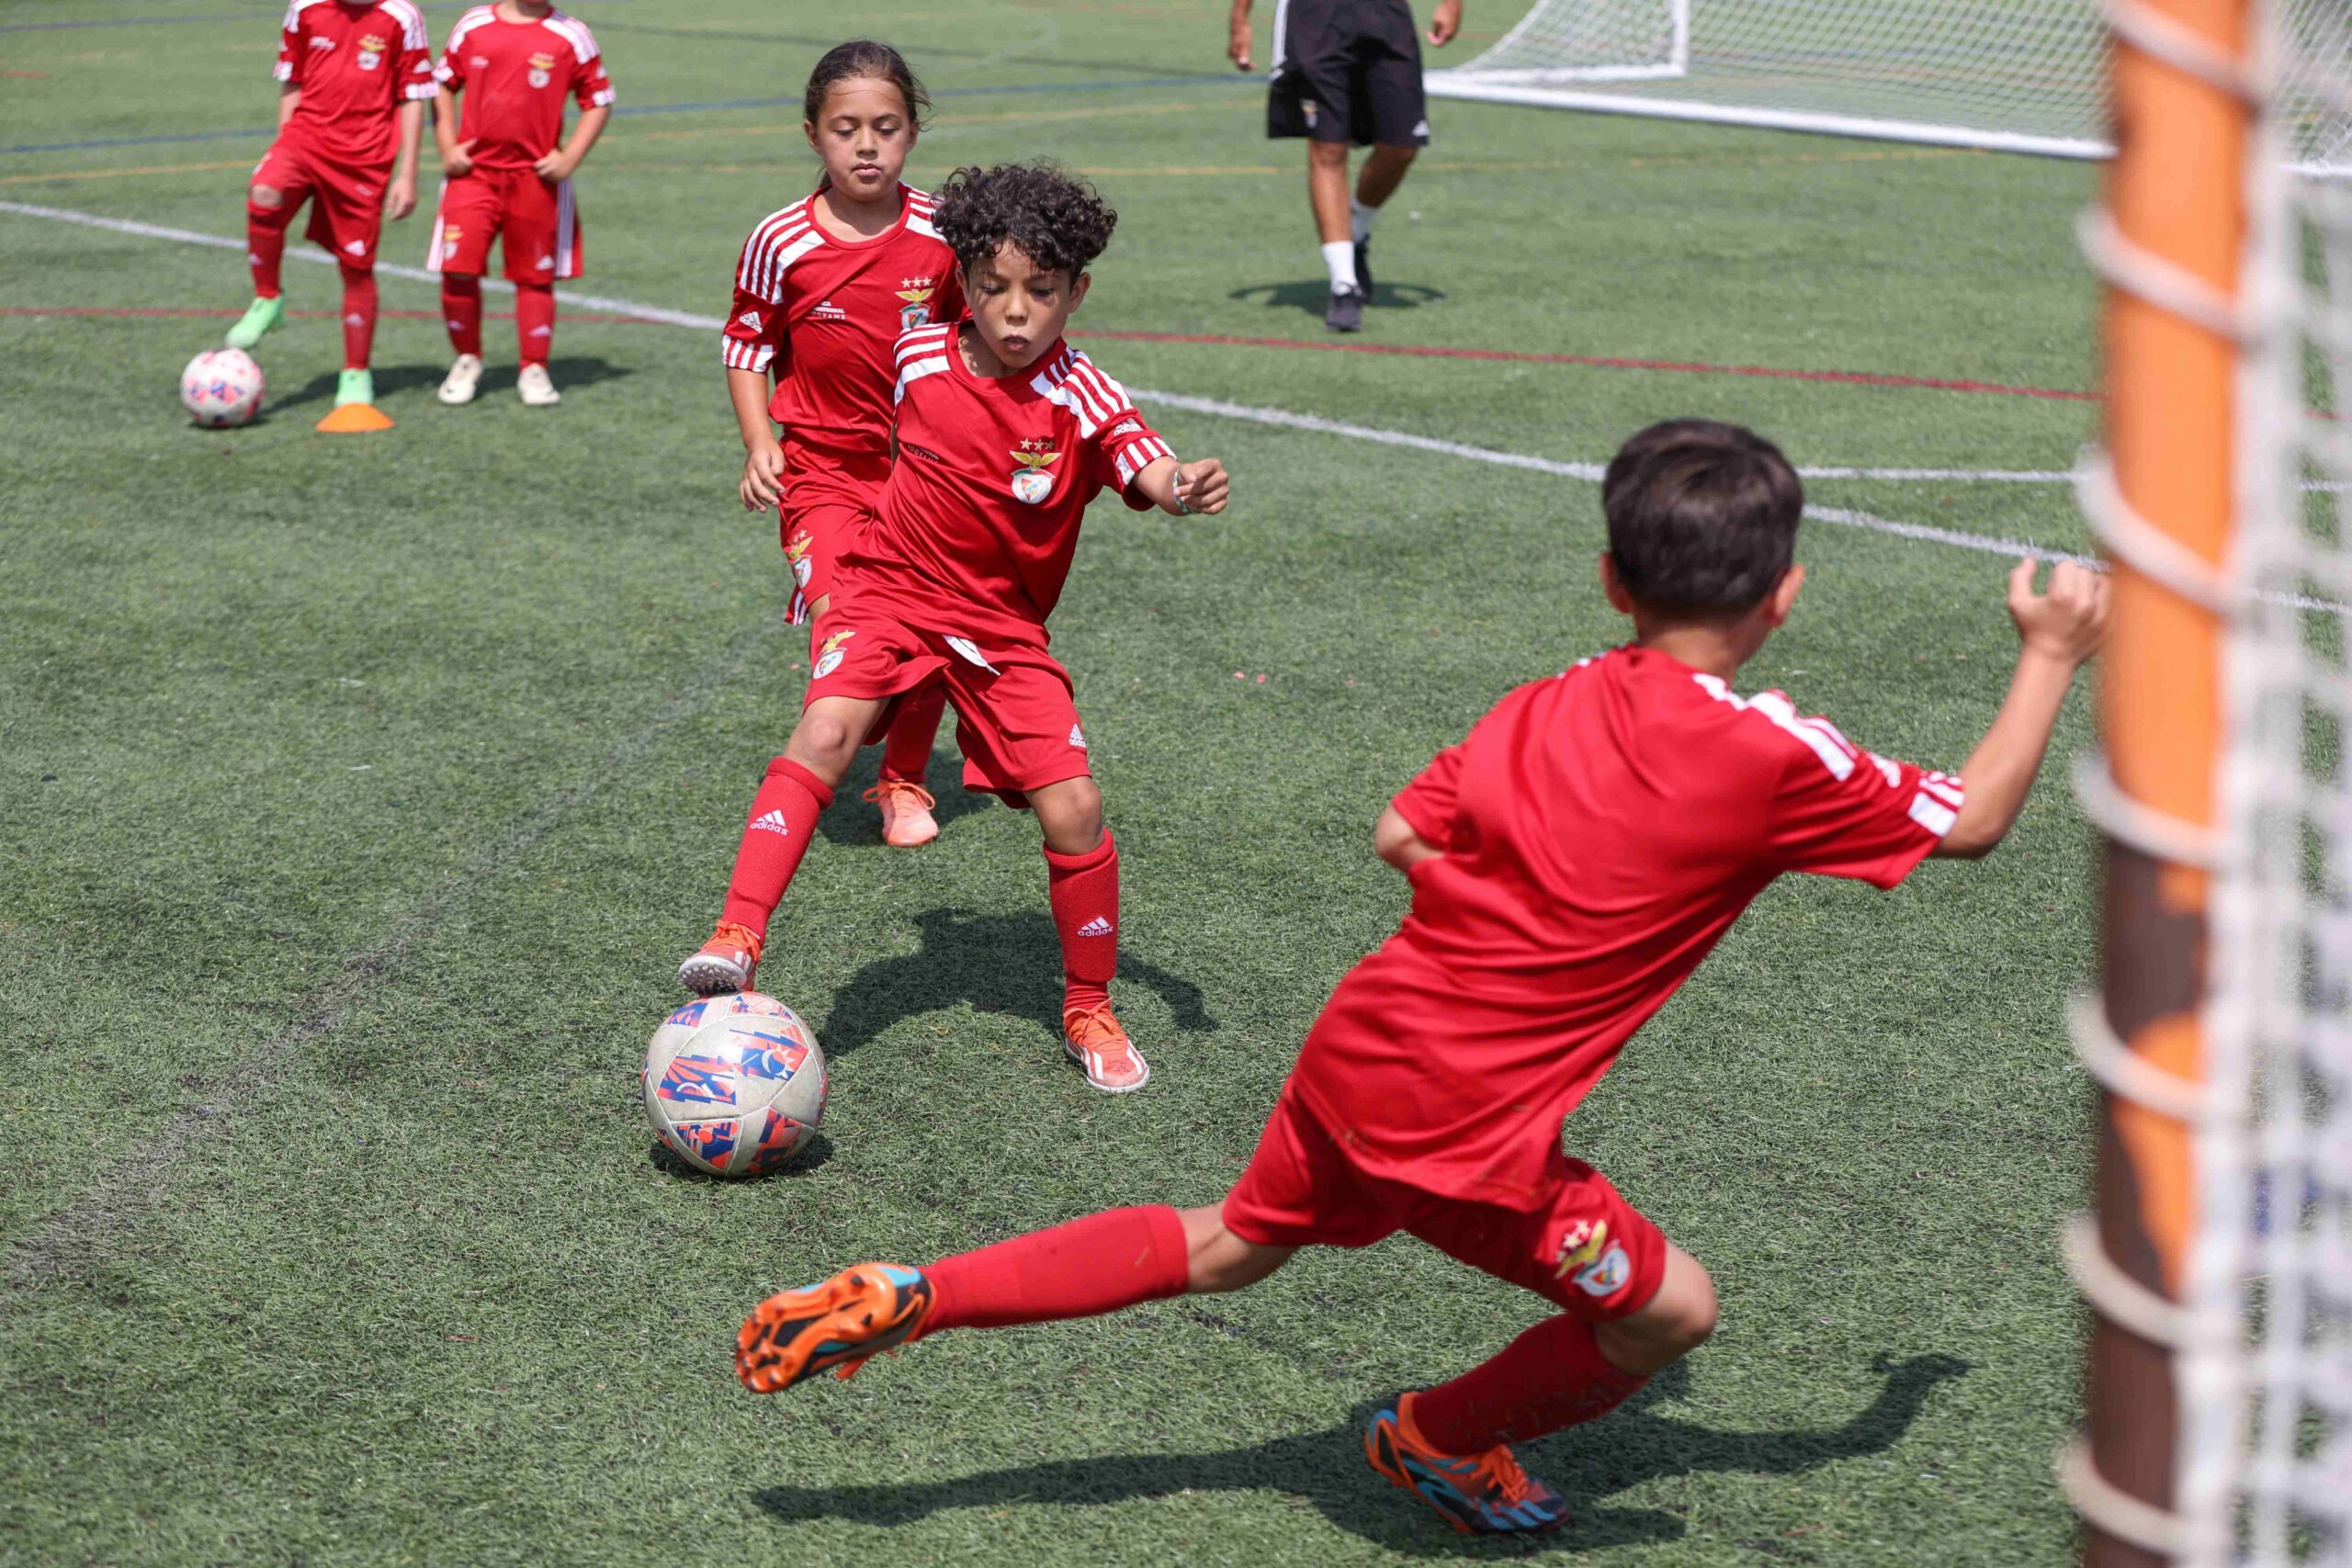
(1572, 862)
(1004, 435)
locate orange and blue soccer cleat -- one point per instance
(832, 1325)
(1485, 1494)
(1096, 1043)
(729, 960)
(907, 822)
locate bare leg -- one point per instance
(1381, 173)
(1327, 188)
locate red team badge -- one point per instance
(1033, 481)
(914, 295)
(829, 655)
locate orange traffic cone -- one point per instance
(355, 419)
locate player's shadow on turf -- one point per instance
(999, 963)
(1314, 297)
(815, 1152)
(1627, 1449)
(391, 379)
(856, 824)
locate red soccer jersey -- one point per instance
(979, 519)
(1600, 831)
(513, 76)
(355, 64)
(833, 309)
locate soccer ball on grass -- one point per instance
(734, 1084)
(221, 386)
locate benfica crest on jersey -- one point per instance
(1033, 481)
(829, 655)
(915, 311)
(371, 52)
(542, 70)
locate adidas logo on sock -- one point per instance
(1098, 926)
(772, 822)
(543, 332)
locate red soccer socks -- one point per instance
(1551, 1376)
(1121, 1257)
(359, 316)
(906, 752)
(265, 245)
(783, 821)
(533, 321)
(1084, 890)
(461, 311)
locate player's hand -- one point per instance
(1444, 23)
(1202, 486)
(1236, 43)
(400, 199)
(2069, 621)
(762, 477)
(554, 168)
(458, 158)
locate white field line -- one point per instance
(1219, 408)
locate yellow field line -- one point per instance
(122, 173)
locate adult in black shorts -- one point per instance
(1348, 73)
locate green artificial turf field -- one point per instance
(358, 797)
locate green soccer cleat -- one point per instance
(261, 316)
(355, 386)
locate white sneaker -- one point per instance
(534, 388)
(464, 378)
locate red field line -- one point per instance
(180, 313)
(1411, 351)
(1604, 362)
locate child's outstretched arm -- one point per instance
(1181, 489)
(2059, 630)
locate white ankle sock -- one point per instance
(1340, 255)
(1360, 218)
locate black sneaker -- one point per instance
(1345, 313)
(1363, 266)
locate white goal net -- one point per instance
(2017, 75)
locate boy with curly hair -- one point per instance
(1004, 435)
(1572, 860)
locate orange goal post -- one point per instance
(2218, 1260)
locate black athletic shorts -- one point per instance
(1347, 71)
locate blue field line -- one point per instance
(227, 16)
(709, 106)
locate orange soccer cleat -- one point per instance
(833, 1325)
(907, 822)
(1096, 1043)
(729, 960)
(1485, 1494)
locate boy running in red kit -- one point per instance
(1572, 862)
(507, 176)
(352, 78)
(1004, 435)
(824, 291)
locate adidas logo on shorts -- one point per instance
(770, 822)
(1078, 737)
(1098, 926)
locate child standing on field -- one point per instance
(508, 176)
(824, 290)
(1572, 862)
(1004, 435)
(353, 79)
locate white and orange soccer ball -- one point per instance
(221, 386)
(734, 1084)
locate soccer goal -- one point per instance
(2010, 75)
(2219, 1262)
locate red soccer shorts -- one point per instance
(826, 498)
(535, 221)
(1585, 1248)
(346, 199)
(1015, 720)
